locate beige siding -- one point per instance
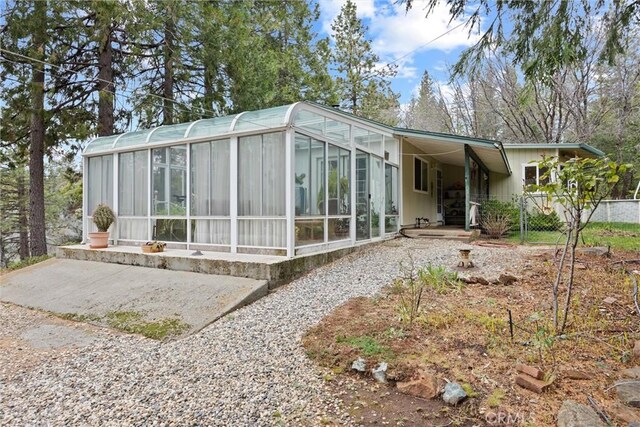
(414, 203)
(504, 186)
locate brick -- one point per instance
(530, 383)
(531, 371)
(577, 375)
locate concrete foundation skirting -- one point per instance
(275, 273)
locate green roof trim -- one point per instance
(560, 146)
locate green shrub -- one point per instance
(499, 209)
(103, 217)
(540, 221)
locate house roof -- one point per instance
(564, 148)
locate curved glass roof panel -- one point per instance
(262, 119)
(168, 133)
(138, 137)
(211, 127)
(101, 143)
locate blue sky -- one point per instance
(407, 37)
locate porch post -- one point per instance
(467, 187)
(290, 188)
(233, 194)
(85, 201)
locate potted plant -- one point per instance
(103, 217)
(153, 247)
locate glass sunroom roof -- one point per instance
(243, 122)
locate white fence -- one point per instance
(618, 211)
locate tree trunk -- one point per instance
(105, 83)
(37, 230)
(23, 220)
(167, 84)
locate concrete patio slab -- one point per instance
(93, 290)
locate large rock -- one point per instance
(573, 414)
(453, 393)
(629, 392)
(380, 372)
(633, 373)
(359, 365)
(425, 387)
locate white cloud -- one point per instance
(398, 35)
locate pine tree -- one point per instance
(363, 85)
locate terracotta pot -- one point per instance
(99, 240)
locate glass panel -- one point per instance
(391, 224)
(133, 184)
(170, 180)
(424, 175)
(391, 189)
(302, 174)
(376, 143)
(100, 185)
(212, 231)
(169, 133)
(339, 177)
(133, 229)
(210, 174)
(170, 229)
(361, 137)
(261, 175)
(270, 233)
(309, 231)
(102, 143)
(317, 190)
(211, 127)
(417, 174)
(337, 131)
(129, 139)
(530, 175)
(338, 228)
(392, 149)
(541, 180)
(376, 191)
(362, 196)
(262, 119)
(310, 121)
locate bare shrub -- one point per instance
(496, 224)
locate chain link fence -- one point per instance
(530, 218)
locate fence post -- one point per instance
(521, 219)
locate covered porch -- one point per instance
(444, 176)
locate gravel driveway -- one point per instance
(247, 369)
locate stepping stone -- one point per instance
(633, 373)
(573, 414)
(629, 392)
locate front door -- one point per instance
(439, 197)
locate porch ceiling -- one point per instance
(451, 152)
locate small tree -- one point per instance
(578, 185)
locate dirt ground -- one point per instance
(464, 335)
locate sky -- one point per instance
(409, 39)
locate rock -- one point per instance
(609, 300)
(629, 392)
(573, 414)
(453, 393)
(475, 279)
(531, 371)
(359, 365)
(625, 414)
(530, 383)
(507, 279)
(380, 372)
(632, 373)
(636, 349)
(425, 387)
(577, 375)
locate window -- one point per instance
(533, 175)
(133, 182)
(261, 175)
(210, 178)
(310, 185)
(100, 182)
(170, 181)
(421, 175)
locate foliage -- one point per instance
(578, 185)
(17, 265)
(440, 279)
(542, 221)
(542, 340)
(495, 224)
(103, 217)
(368, 345)
(363, 86)
(495, 208)
(133, 322)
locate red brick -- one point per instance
(577, 375)
(530, 383)
(531, 371)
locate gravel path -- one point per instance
(248, 369)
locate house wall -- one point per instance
(415, 203)
(502, 186)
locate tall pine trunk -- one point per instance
(38, 239)
(23, 219)
(168, 50)
(105, 83)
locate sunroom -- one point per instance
(290, 180)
